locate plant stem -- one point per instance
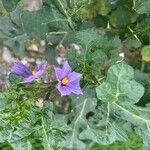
(43, 127)
(68, 18)
(107, 117)
(90, 146)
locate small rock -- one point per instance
(42, 43)
(32, 5)
(33, 47)
(6, 55)
(62, 50)
(61, 60)
(76, 47)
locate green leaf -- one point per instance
(6, 28)
(133, 42)
(52, 128)
(48, 111)
(86, 103)
(21, 145)
(4, 135)
(82, 105)
(99, 136)
(51, 54)
(120, 85)
(98, 58)
(71, 141)
(47, 139)
(73, 58)
(52, 132)
(142, 6)
(101, 128)
(102, 7)
(100, 21)
(87, 39)
(138, 116)
(46, 21)
(10, 4)
(19, 138)
(20, 134)
(146, 53)
(121, 17)
(12, 36)
(16, 17)
(17, 44)
(97, 45)
(143, 29)
(35, 24)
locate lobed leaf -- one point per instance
(120, 85)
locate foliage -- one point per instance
(114, 37)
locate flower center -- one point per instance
(34, 71)
(65, 81)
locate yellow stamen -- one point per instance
(65, 81)
(34, 71)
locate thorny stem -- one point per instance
(43, 127)
(100, 79)
(133, 33)
(68, 18)
(90, 146)
(95, 80)
(56, 33)
(107, 117)
(140, 118)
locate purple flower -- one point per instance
(20, 69)
(68, 80)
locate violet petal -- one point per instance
(37, 75)
(58, 73)
(74, 77)
(75, 88)
(40, 70)
(62, 72)
(29, 79)
(20, 69)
